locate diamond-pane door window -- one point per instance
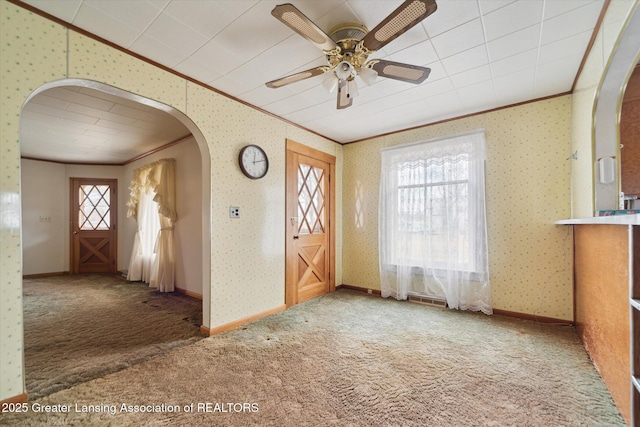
(310, 199)
(94, 207)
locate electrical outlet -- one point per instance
(45, 218)
(234, 212)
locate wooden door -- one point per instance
(93, 225)
(310, 258)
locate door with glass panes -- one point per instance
(93, 225)
(310, 258)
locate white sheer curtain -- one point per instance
(152, 203)
(432, 224)
(143, 254)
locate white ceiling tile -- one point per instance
(466, 60)
(412, 37)
(63, 114)
(557, 76)
(175, 34)
(435, 88)
(371, 13)
(450, 14)
(516, 87)
(217, 56)
(81, 98)
(327, 14)
(254, 31)
(514, 43)
(290, 54)
(479, 96)
(99, 114)
(511, 18)
(105, 26)
(310, 113)
(230, 84)
(570, 23)
(559, 49)
(418, 54)
(135, 113)
(488, 6)
(515, 63)
(459, 39)
(557, 7)
(208, 17)
(135, 14)
(123, 127)
(157, 51)
(473, 76)
(49, 101)
(444, 103)
(193, 68)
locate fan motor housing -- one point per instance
(347, 35)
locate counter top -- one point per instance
(612, 219)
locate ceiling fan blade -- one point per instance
(344, 100)
(410, 13)
(400, 71)
(302, 75)
(298, 22)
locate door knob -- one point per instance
(75, 232)
(296, 237)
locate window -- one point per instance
(432, 219)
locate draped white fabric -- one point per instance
(152, 203)
(143, 255)
(432, 223)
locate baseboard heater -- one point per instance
(428, 300)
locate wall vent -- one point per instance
(428, 300)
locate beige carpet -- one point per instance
(348, 359)
(82, 327)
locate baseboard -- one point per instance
(21, 398)
(36, 276)
(532, 317)
(497, 311)
(360, 289)
(189, 293)
(240, 322)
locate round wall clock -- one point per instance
(253, 161)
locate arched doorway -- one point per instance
(122, 99)
(608, 104)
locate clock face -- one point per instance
(253, 161)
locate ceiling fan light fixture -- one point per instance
(330, 83)
(344, 70)
(368, 75)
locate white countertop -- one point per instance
(612, 219)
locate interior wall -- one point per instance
(44, 217)
(247, 254)
(45, 193)
(527, 189)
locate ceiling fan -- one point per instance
(348, 46)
